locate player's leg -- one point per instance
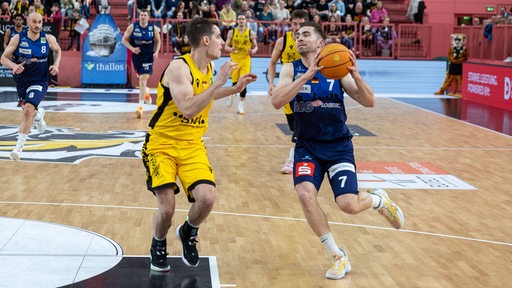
(290, 119)
(143, 80)
(245, 67)
(198, 180)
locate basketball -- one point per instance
(335, 58)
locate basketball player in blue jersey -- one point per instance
(27, 57)
(324, 142)
(143, 39)
(16, 28)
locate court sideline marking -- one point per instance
(267, 217)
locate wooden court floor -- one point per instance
(452, 238)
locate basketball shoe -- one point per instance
(229, 100)
(158, 254)
(139, 112)
(241, 109)
(15, 154)
(39, 120)
(389, 209)
(189, 253)
(147, 99)
(339, 266)
(288, 167)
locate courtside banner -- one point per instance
(103, 54)
(487, 84)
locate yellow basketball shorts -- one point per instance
(166, 158)
(244, 67)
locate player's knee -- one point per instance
(348, 204)
(306, 197)
(167, 213)
(206, 197)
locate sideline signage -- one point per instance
(487, 84)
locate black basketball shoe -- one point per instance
(158, 255)
(189, 254)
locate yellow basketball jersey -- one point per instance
(168, 121)
(242, 42)
(289, 52)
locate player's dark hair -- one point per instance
(18, 15)
(299, 14)
(316, 26)
(198, 28)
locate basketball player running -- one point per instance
(27, 57)
(324, 142)
(174, 145)
(241, 45)
(286, 50)
(143, 39)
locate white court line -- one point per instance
(270, 217)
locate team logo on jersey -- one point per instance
(67, 145)
(43, 39)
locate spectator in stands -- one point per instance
(323, 9)
(281, 14)
(317, 19)
(349, 7)
(228, 17)
(379, 13)
(333, 11)
(369, 6)
(347, 32)
(180, 9)
(244, 6)
(268, 30)
(358, 13)
(169, 7)
(73, 34)
(340, 7)
(178, 31)
(367, 38)
(488, 28)
(290, 6)
(194, 10)
(56, 17)
(17, 27)
(332, 31)
(141, 4)
(157, 8)
(415, 11)
(219, 4)
(19, 7)
(184, 47)
(84, 8)
(258, 7)
(66, 8)
(251, 24)
(39, 7)
(212, 13)
(5, 12)
(476, 21)
(385, 35)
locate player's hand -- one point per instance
(225, 71)
(18, 69)
(155, 55)
(270, 89)
(136, 50)
(54, 70)
(313, 68)
(353, 68)
(244, 80)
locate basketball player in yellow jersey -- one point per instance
(241, 45)
(174, 147)
(286, 50)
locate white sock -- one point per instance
(141, 102)
(292, 152)
(21, 140)
(376, 201)
(38, 116)
(329, 244)
(159, 239)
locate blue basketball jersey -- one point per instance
(143, 38)
(35, 55)
(319, 108)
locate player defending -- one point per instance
(241, 45)
(286, 50)
(143, 39)
(174, 145)
(324, 142)
(27, 57)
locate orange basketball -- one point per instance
(335, 58)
